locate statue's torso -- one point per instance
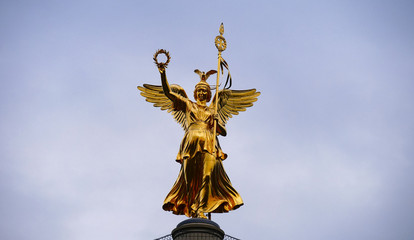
(199, 117)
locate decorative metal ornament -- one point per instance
(221, 30)
(220, 41)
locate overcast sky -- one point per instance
(325, 153)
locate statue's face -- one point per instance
(202, 94)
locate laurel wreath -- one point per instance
(162, 64)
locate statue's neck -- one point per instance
(201, 103)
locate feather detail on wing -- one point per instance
(231, 102)
(155, 94)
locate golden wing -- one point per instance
(155, 94)
(231, 102)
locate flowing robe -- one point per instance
(202, 185)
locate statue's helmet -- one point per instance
(203, 83)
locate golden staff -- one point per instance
(221, 45)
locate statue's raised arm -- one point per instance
(167, 97)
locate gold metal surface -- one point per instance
(220, 41)
(202, 185)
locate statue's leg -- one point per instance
(187, 171)
(205, 191)
(193, 171)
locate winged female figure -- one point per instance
(202, 185)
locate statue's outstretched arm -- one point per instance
(165, 85)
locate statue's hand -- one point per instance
(161, 69)
(213, 118)
(216, 117)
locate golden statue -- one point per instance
(202, 185)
